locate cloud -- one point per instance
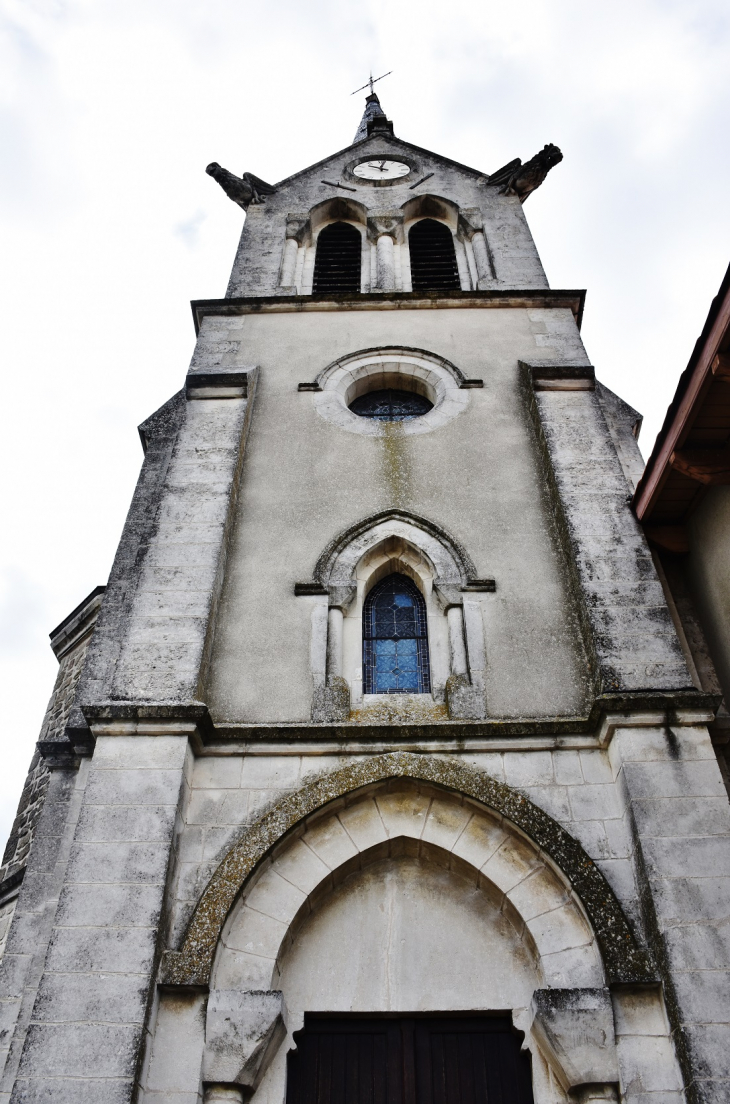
(189, 230)
(22, 604)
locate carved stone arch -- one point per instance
(391, 820)
(337, 209)
(431, 206)
(623, 959)
(388, 352)
(450, 563)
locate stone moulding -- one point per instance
(392, 300)
(323, 567)
(624, 960)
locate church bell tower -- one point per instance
(376, 773)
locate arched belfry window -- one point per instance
(337, 261)
(433, 259)
(395, 639)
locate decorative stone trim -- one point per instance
(624, 959)
(453, 564)
(489, 298)
(563, 377)
(575, 1028)
(223, 383)
(399, 367)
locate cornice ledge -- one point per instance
(608, 712)
(149, 718)
(571, 299)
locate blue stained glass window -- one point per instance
(395, 639)
(391, 406)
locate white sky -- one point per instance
(109, 112)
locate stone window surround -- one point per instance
(385, 265)
(345, 575)
(394, 554)
(378, 369)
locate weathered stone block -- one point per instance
(578, 966)
(301, 867)
(464, 701)
(256, 933)
(445, 823)
(127, 824)
(682, 816)
(67, 997)
(685, 779)
(99, 905)
(275, 896)
(124, 862)
(671, 858)
(244, 971)
(648, 1064)
(242, 1031)
(329, 840)
(402, 812)
(81, 1090)
(575, 1026)
(64, 1050)
(133, 787)
(118, 950)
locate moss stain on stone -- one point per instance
(624, 959)
(396, 463)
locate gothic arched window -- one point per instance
(337, 261)
(395, 639)
(433, 259)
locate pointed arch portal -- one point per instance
(623, 959)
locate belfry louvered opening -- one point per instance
(433, 260)
(337, 263)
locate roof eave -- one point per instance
(689, 394)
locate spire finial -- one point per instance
(371, 82)
(373, 109)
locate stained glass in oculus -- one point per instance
(391, 406)
(395, 639)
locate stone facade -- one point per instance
(236, 834)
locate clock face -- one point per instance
(381, 170)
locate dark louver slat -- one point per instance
(337, 263)
(433, 260)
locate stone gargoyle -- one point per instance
(244, 189)
(521, 180)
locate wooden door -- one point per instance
(408, 1060)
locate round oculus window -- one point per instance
(381, 170)
(391, 405)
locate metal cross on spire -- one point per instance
(371, 82)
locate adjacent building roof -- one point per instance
(692, 450)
